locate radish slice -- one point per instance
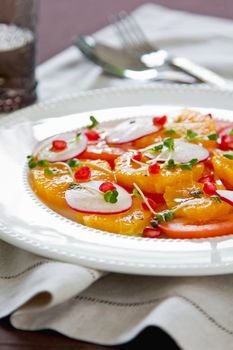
(183, 152)
(226, 196)
(131, 130)
(75, 146)
(88, 199)
(226, 130)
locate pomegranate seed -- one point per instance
(208, 164)
(160, 120)
(84, 173)
(206, 178)
(154, 169)
(151, 203)
(209, 188)
(226, 142)
(59, 145)
(92, 135)
(137, 156)
(151, 232)
(210, 115)
(107, 186)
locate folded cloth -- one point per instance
(41, 293)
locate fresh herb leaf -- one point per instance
(190, 134)
(156, 148)
(216, 198)
(213, 137)
(189, 165)
(94, 122)
(135, 193)
(169, 132)
(43, 162)
(78, 135)
(32, 164)
(169, 143)
(48, 171)
(111, 196)
(74, 162)
(171, 164)
(231, 132)
(228, 155)
(164, 216)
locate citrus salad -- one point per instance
(150, 176)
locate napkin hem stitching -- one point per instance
(152, 301)
(29, 268)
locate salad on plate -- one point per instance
(153, 176)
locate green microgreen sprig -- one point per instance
(228, 156)
(216, 198)
(94, 122)
(191, 135)
(165, 216)
(111, 196)
(169, 132)
(169, 143)
(135, 193)
(74, 162)
(213, 137)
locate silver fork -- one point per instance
(136, 44)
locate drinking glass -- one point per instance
(17, 54)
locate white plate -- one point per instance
(29, 224)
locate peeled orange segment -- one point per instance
(192, 116)
(75, 146)
(132, 222)
(191, 203)
(128, 173)
(100, 169)
(202, 124)
(131, 130)
(183, 152)
(203, 210)
(226, 195)
(223, 167)
(89, 199)
(51, 188)
(175, 195)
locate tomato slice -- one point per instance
(102, 151)
(180, 228)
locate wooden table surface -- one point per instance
(69, 20)
(12, 339)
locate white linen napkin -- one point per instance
(40, 293)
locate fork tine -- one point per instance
(138, 32)
(130, 33)
(119, 30)
(124, 20)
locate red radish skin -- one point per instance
(132, 130)
(226, 196)
(43, 150)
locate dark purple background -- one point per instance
(61, 20)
